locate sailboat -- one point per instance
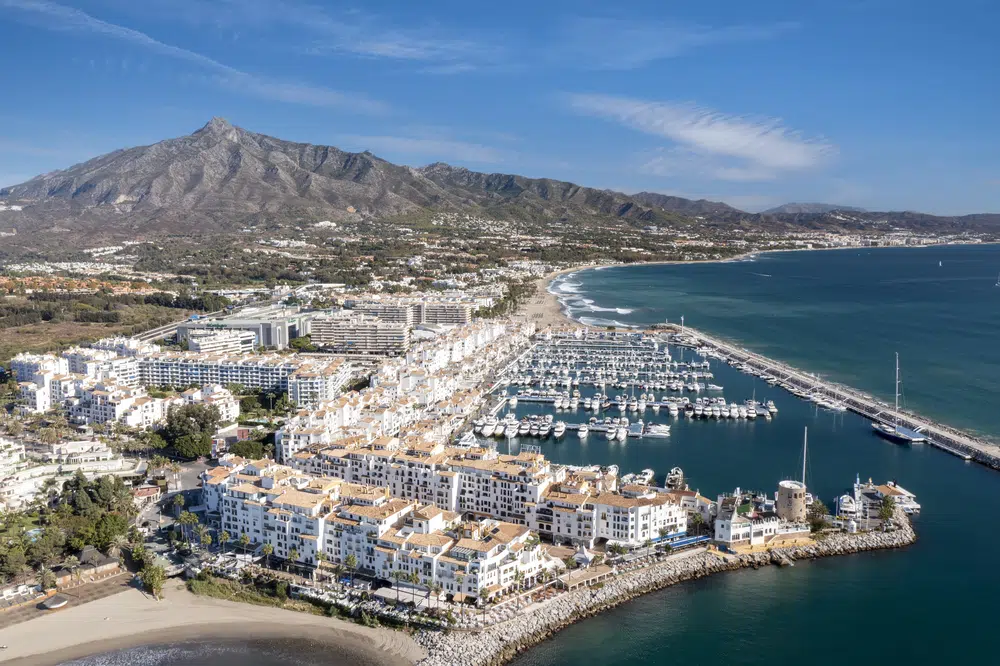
(998, 280)
(893, 431)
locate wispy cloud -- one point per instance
(626, 44)
(52, 16)
(727, 147)
(432, 149)
(318, 30)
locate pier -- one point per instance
(938, 435)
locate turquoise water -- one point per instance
(842, 314)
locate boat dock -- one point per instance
(938, 435)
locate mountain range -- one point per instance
(222, 176)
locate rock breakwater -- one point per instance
(497, 644)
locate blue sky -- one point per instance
(884, 104)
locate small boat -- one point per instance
(583, 431)
(524, 428)
(533, 429)
(714, 387)
(622, 433)
(771, 407)
(489, 427)
(559, 429)
(510, 431)
(512, 401)
(611, 433)
(544, 430)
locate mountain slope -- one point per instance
(221, 177)
(809, 209)
(684, 206)
(222, 174)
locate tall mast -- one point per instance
(805, 449)
(897, 387)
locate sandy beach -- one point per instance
(131, 619)
(544, 308)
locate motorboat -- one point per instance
(559, 429)
(583, 430)
(657, 430)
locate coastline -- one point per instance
(500, 643)
(132, 619)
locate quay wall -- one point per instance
(979, 450)
(499, 643)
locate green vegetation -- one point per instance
(887, 508)
(96, 513)
(264, 590)
(817, 515)
(189, 429)
(49, 321)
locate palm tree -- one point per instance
(436, 589)
(224, 538)
(519, 580)
(320, 559)
(396, 576)
(293, 556)
(268, 550)
(175, 469)
(482, 599)
(351, 562)
(413, 579)
(205, 537)
(178, 503)
(116, 544)
(244, 542)
(72, 563)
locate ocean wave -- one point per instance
(598, 321)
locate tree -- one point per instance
(249, 449)
(223, 539)
(816, 516)
(204, 536)
(15, 428)
(153, 577)
(414, 580)
(697, 521)
(293, 556)
(48, 436)
(72, 564)
(887, 508)
(46, 578)
(351, 562)
(244, 541)
(178, 503)
(189, 429)
(268, 550)
(187, 520)
(192, 447)
(396, 576)
(116, 544)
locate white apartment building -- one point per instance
(349, 331)
(25, 366)
(301, 516)
(220, 341)
(308, 380)
(216, 396)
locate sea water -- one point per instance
(842, 314)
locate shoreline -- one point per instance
(500, 643)
(132, 619)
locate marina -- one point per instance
(906, 426)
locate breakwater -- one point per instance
(949, 439)
(499, 643)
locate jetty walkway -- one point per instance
(939, 435)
